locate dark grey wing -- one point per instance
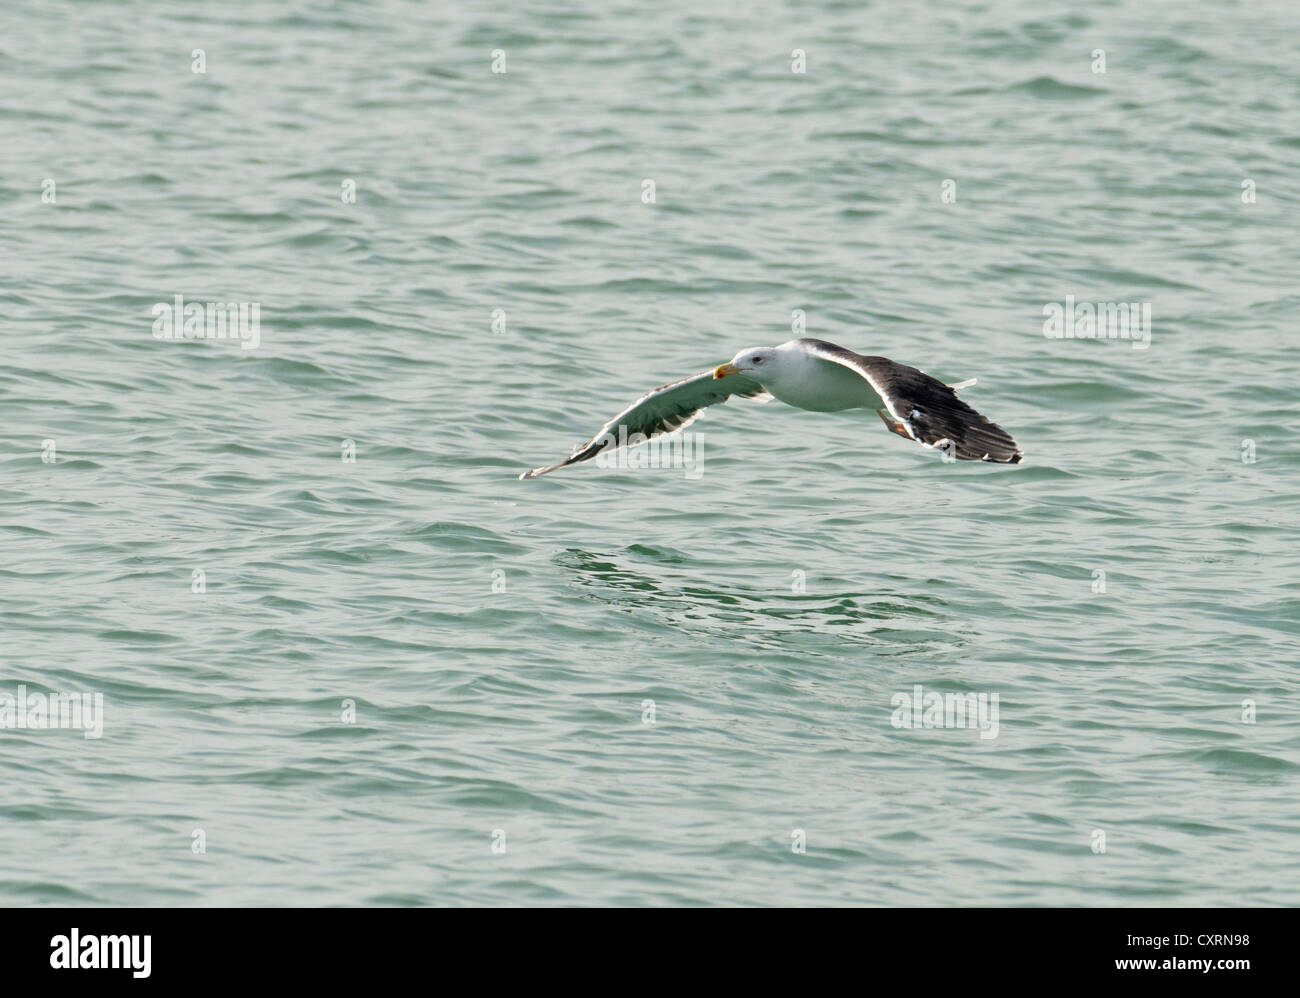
(927, 410)
(667, 409)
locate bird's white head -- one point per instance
(753, 362)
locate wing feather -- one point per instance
(928, 410)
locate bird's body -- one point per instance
(806, 380)
(820, 377)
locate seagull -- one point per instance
(821, 377)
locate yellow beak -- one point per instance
(722, 370)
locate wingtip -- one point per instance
(538, 472)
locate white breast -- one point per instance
(808, 382)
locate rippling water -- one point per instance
(498, 289)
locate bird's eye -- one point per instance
(758, 360)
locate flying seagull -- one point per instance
(821, 377)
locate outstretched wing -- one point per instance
(927, 410)
(667, 409)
